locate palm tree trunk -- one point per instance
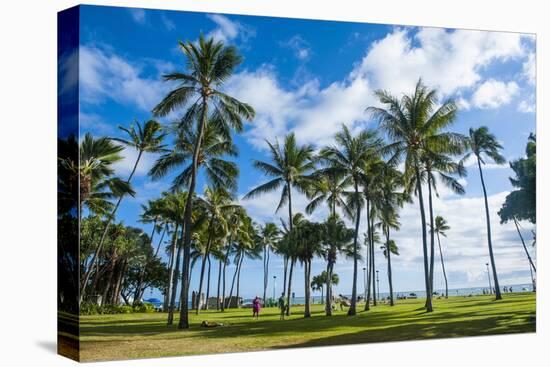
(239, 279)
(226, 257)
(388, 252)
(443, 267)
(203, 264)
(369, 258)
(266, 249)
(208, 282)
(172, 269)
(285, 269)
(429, 307)
(351, 310)
(489, 241)
(184, 307)
(290, 225)
(288, 312)
(373, 262)
(104, 234)
(234, 278)
(219, 284)
(432, 234)
(328, 301)
(528, 255)
(176, 276)
(307, 265)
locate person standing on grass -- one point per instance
(256, 306)
(282, 306)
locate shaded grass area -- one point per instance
(146, 335)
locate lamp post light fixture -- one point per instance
(489, 277)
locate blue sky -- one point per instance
(310, 77)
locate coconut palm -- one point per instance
(144, 139)
(348, 158)
(414, 126)
(336, 238)
(483, 146)
(210, 63)
(268, 236)
(216, 203)
(308, 237)
(290, 169)
(440, 229)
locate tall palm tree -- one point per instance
(216, 203)
(414, 126)
(483, 145)
(269, 235)
(290, 169)
(349, 158)
(441, 227)
(308, 240)
(144, 139)
(210, 63)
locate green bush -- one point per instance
(87, 308)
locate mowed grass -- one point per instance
(109, 337)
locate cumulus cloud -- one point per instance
(124, 167)
(529, 69)
(227, 30)
(106, 75)
(494, 93)
(447, 60)
(527, 105)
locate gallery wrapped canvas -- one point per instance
(233, 183)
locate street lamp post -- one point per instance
(365, 283)
(489, 277)
(274, 285)
(377, 286)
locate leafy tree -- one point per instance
(210, 63)
(483, 145)
(440, 229)
(268, 237)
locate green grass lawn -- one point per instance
(146, 335)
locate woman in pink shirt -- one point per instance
(256, 305)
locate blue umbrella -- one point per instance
(153, 300)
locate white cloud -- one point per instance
(106, 75)
(124, 167)
(447, 60)
(228, 30)
(138, 15)
(167, 22)
(472, 162)
(529, 69)
(527, 105)
(301, 48)
(493, 94)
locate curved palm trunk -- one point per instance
(489, 240)
(307, 267)
(226, 257)
(147, 262)
(266, 271)
(208, 282)
(290, 270)
(176, 276)
(172, 268)
(219, 284)
(528, 256)
(104, 234)
(285, 271)
(290, 225)
(388, 252)
(443, 267)
(239, 279)
(228, 303)
(373, 263)
(432, 234)
(184, 309)
(429, 307)
(369, 257)
(205, 258)
(351, 310)
(328, 301)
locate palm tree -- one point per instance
(210, 64)
(441, 227)
(317, 284)
(216, 203)
(349, 158)
(308, 238)
(144, 139)
(269, 235)
(336, 238)
(484, 145)
(290, 168)
(414, 128)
